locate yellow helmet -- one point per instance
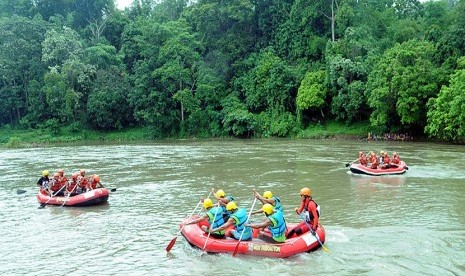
(220, 193)
(207, 203)
(231, 206)
(45, 173)
(267, 208)
(267, 194)
(305, 192)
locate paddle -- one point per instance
(20, 192)
(43, 204)
(111, 190)
(209, 232)
(248, 217)
(173, 241)
(69, 194)
(314, 234)
(348, 164)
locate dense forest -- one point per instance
(241, 68)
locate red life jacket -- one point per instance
(82, 182)
(55, 185)
(71, 185)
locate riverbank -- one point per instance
(18, 138)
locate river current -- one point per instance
(410, 224)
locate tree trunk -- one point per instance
(333, 23)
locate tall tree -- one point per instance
(446, 113)
(400, 85)
(20, 40)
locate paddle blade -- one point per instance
(42, 206)
(347, 164)
(171, 244)
(324, 248)
(20, 192)
(235, 250)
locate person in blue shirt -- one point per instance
(238, 218)
(214, 217)
(275, 223)
(270, 199)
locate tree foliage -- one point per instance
(245, 68)
(401, 83)
(446, 115)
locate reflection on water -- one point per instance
(368, 180)
(388, 225)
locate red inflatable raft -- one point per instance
(360, 169)
(303, 243)
(94, 197)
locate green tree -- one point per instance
(269, 86)
(311, 94)
(238, 121)
(61, 99)
(60, 46)
(226, 29)
(178, 59)
(400, 85)
(24, 8)
(107, 106)
(446, 113)
(20, 63)
(347, 80)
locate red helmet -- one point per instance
(74, 176)
(96, 178)
(56, 175)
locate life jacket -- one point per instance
(71, 185)
(396, 159)
(374, 162)
(93, 184)
(240, 218)
(386, 159)
(363, 160)
(63, 180)
(278, 205)
(279, 225)
(82, 182)
(307, 214)
(55, 185)
(218, 218)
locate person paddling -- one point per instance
(223, 200)
(310, 211)
(270, 199)
(95, 182)
(43, 182)
(55, 187)
(214, 217)
(238, 218)
(275, 223)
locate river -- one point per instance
(412, 224)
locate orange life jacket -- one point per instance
(55, 185)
